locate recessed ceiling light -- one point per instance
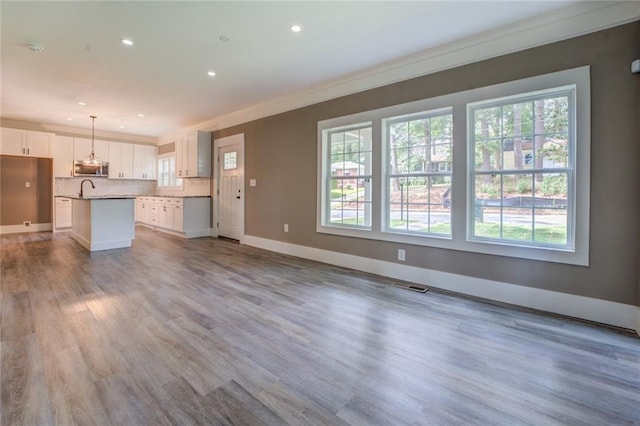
(141, 115)
(127, 42)
(211, 74)
(122, 127)
(69, 118)
(295, 28)
(35, 47)
(82, 103)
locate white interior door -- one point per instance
(231, 191)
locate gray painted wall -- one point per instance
(281, 154)
(19, 203)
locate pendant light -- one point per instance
(92, 161)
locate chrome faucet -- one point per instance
(82, 183)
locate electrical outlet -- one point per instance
(27, 184)
(286, 227)
(402, 255)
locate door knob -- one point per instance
(238, 197)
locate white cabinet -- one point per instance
(166, 214)
(63, 156)
(193, 155)
(120, 160)
(145, 162)
(63, 218)
(12, 141)
(187, 217)
(142, 209)
(153, 210)
(39, 144)
(178, 216)
(145, 210)
(182, 155)
(82, 149)
(25, 143)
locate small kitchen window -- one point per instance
(167, 172)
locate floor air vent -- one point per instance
(413, 287)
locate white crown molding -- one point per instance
(84, 132)
(573, 21)
(588, 308)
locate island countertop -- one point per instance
(99, 197)
(115, 197)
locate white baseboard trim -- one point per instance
(34, 227)
(602, 311)
(103, 245)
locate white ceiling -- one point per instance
(164, 74)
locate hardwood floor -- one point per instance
(206, 331)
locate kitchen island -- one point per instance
(103, 222)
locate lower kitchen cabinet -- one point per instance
(187, 217)
(63, 213)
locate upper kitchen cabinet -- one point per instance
(120, 160)
(145, 162)
(193, 155)
(63, 156)
(25, 143)
(82, 149)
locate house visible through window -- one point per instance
(349, 176)
(418, 180)
(520, 182)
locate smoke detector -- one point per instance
(35, 47)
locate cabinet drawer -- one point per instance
(63, 201)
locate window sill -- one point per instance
(544, 254)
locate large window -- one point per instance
(500, 170)
(521, 179)
(419, 154)
(167, 172)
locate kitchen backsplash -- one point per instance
(192, 187)
(105, 186)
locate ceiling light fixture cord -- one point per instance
(92, 161)
(93, 126)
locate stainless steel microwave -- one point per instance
(82, 169)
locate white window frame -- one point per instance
(385, 123)
(325, 176)
(579, 217)
(569, 169)
(175, 183)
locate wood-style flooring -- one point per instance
(205, 331)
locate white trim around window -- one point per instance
(575, 83)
